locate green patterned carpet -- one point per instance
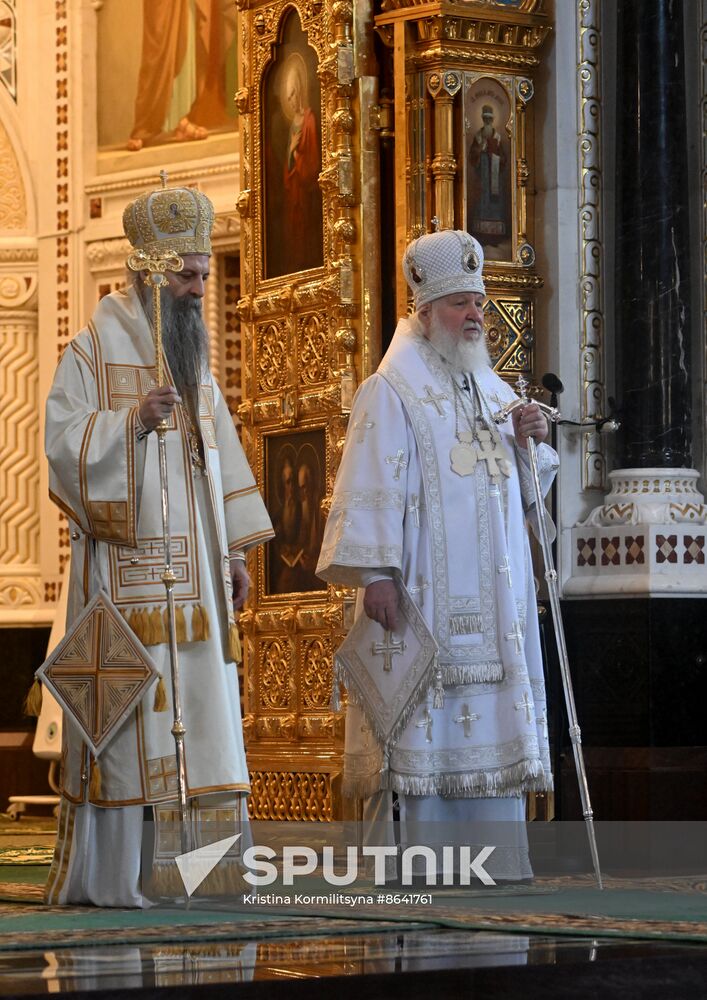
(668, 909)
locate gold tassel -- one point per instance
(33, 701)
(134, 622)
(181, 624)
(197, 624)
(234, 643)
(96, 782)
(206, 623)
(157, 630)
(160, 702)
(145, 626)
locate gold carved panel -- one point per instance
(313, 120)
(307, 328)
(463, 110)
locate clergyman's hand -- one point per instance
(158, 405)
(380, 602)
(241, 583)
(529, 421)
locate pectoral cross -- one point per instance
(414, 509)
(426, 724)
(466, 719)
(362, 426)
(435, 400)
(387, 649)
(398, 461)
(479, 446)
(516, 634)
(525, 705)
(505, 567)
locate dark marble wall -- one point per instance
(652, 272)
(639, 669)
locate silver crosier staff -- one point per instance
(156, 266)
(553, 590)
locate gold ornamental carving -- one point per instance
(302, 118)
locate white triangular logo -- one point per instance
(194, 866)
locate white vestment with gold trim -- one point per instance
(107, 482)
(460, 545)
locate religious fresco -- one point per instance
(292, 161)
(489, 166)
(172, 64)
(295, 483)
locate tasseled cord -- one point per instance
(234, 643)
(160, 702)
(95, 785)
(33, 701)
(438, 694)
(200, 626)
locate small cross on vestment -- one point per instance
(414, 509)
(362, 426)
(435, 400)
(542, 721)
(421, 586)
(526, 706)
(398, 461)
(516, 634)
(426, 724)
(466, 719)
(495, 492)
(342, 523)
(505, 567)
(388, 649)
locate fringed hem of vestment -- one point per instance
(506, 782)
(361, 787)
(356, 696)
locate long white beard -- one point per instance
(462, 355)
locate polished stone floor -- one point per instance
(410, 964)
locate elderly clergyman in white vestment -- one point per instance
(102, 412)
(431, 501)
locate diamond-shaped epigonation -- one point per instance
(99, 672)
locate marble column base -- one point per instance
(649, 537)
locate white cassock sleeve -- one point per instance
(364, 530)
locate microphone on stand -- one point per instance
(554, 386)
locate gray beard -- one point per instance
(184, 337)
(462, 355)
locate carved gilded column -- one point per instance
(444, 86)
(469, 161)
(309, 309)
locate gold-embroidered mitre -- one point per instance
(170, 220)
